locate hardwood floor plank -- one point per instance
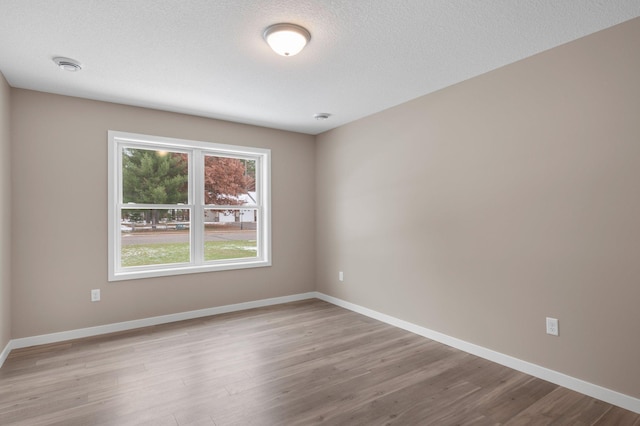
(300, 363)
(563, 406)
(522, 392)
(619, 417)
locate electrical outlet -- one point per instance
(341, 276)
(95, 295)
(552, 326)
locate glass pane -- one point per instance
(154, 176)
(154, 237)
(229, 181)
(230, 234)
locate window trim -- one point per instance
(196, 151)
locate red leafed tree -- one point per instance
(225, 179)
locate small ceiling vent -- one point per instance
(67, 64)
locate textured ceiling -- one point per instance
(208, 58)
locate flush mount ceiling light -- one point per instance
(67, 64)
(286, 39)
(321, 116)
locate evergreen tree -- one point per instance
(154, 177)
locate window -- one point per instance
(179, 206)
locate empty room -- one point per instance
(340, 212)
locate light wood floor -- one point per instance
(300, 363)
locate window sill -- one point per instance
(151, 273)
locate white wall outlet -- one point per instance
(341, 276)
(552, 326)
(95, 295)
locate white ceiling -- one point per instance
(208, 58)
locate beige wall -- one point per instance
(59, 159)
(5, 216)
(481, 209)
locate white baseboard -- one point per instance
(146, 322)
(616, 398)
(607, 395)
(5, 352)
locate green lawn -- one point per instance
(159, 254)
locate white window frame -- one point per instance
(196, 151)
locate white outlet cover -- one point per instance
(95, 295)
(552, 326)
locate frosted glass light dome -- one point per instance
(286, 39)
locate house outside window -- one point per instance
(178, 206)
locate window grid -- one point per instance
(200, 239)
